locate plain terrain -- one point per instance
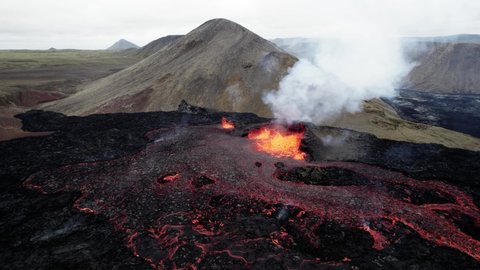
(56, 70)
(28, 78)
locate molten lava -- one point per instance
(278, 143)
(169, 178)
(236, 214)
(227, 124)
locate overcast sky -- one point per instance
(97, 24)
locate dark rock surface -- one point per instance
(421, 161)
(459, 112)
(88, 197)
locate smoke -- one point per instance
(365, 60)
(339, 75)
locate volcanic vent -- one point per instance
(203, 197)
(278, 141)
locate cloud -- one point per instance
(97, 24)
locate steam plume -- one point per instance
(337, 77)
(365, 60)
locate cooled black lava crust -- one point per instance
(60, 206)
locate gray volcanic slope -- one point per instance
(157, 45)
(219, 65)
(447, 69)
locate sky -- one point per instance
(97, 24)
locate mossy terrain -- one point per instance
(381, 120)
(22, 60)
(55, 70)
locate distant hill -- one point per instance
(446, 68)
(121, 45)
(219, 65)
(462, 38)
(157, 45)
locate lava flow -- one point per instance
(227, 124)
(278, 143)
(198, 199)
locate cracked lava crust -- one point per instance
(203, 198)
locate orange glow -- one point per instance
(171, 177)
(278, 143)
(226, 124)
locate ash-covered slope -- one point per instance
(219, 65)
(446, 68)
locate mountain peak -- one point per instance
(221, 21)
(121, 45)
(220, 25)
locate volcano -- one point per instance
(175, 190)
(220, 65)
(140, 185)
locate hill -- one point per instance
(446, 68)
(121, 45)
(219, 65)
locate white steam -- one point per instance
(339, 75)
(363, 60)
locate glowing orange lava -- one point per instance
(227, 124)
(169, 178)
(278, 143)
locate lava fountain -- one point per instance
(227, 124)
(278, 142)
